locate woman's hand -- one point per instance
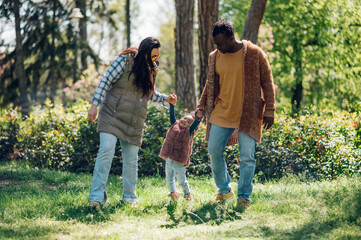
(92, 113)
(172, 99)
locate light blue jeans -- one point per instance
(175, 170)
(103, 164)
(217, 141)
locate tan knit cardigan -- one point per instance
(258, 92)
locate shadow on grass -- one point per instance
(33, 232)
(207, 213)
(86, 214)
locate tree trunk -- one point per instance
(20, 72)
(127, 20)
(207, 16)
(185, 84)
(83, 40)
(51, 77)
(253, 20)
(298, 88)
(297, 97)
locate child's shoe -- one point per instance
(188, 197)
(174, 196)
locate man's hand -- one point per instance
(267, 122)
(172, 98)
(199, 114)
(92, 113)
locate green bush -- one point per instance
(156, 127)
(319, 144)
(52, 137)
(357, 125)
(9, 129)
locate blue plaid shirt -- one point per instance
(113, 73)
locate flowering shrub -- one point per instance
(320, 144)
(83, 88)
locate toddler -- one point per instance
(176, 150)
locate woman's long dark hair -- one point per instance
(143, 66)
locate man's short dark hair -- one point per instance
(223, 27)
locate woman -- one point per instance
(123, 94)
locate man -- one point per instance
(237, 99)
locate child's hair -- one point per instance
(190, 115)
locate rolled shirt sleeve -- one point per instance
(159, 98)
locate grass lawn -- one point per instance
(43, 204)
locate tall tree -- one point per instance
(110, 31)
(44, 45)
(184, 61)
(166, 76)
(315, 52)
(19, 68)
(46, 42)
(207, 16)
(81, 4)
(253, 20)
(127, 20)
(235, 11)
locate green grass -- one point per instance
(43, 204)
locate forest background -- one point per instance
(50, 69)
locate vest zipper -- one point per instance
(117, 105)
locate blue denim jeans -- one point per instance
(103, 164)
(175, 170)
(217, 142)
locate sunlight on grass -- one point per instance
(43, 204)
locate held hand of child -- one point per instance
(199, 114)
(172, 98)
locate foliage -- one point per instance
(49, 43)
(54, 137)
(166, 73)
(315, 45)
(156, 127)
(312, 48)
(107, 26)
(84, 88)
(9, 129)
(358, 133)
(320, 144)
(235, 11)
(46, 46)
